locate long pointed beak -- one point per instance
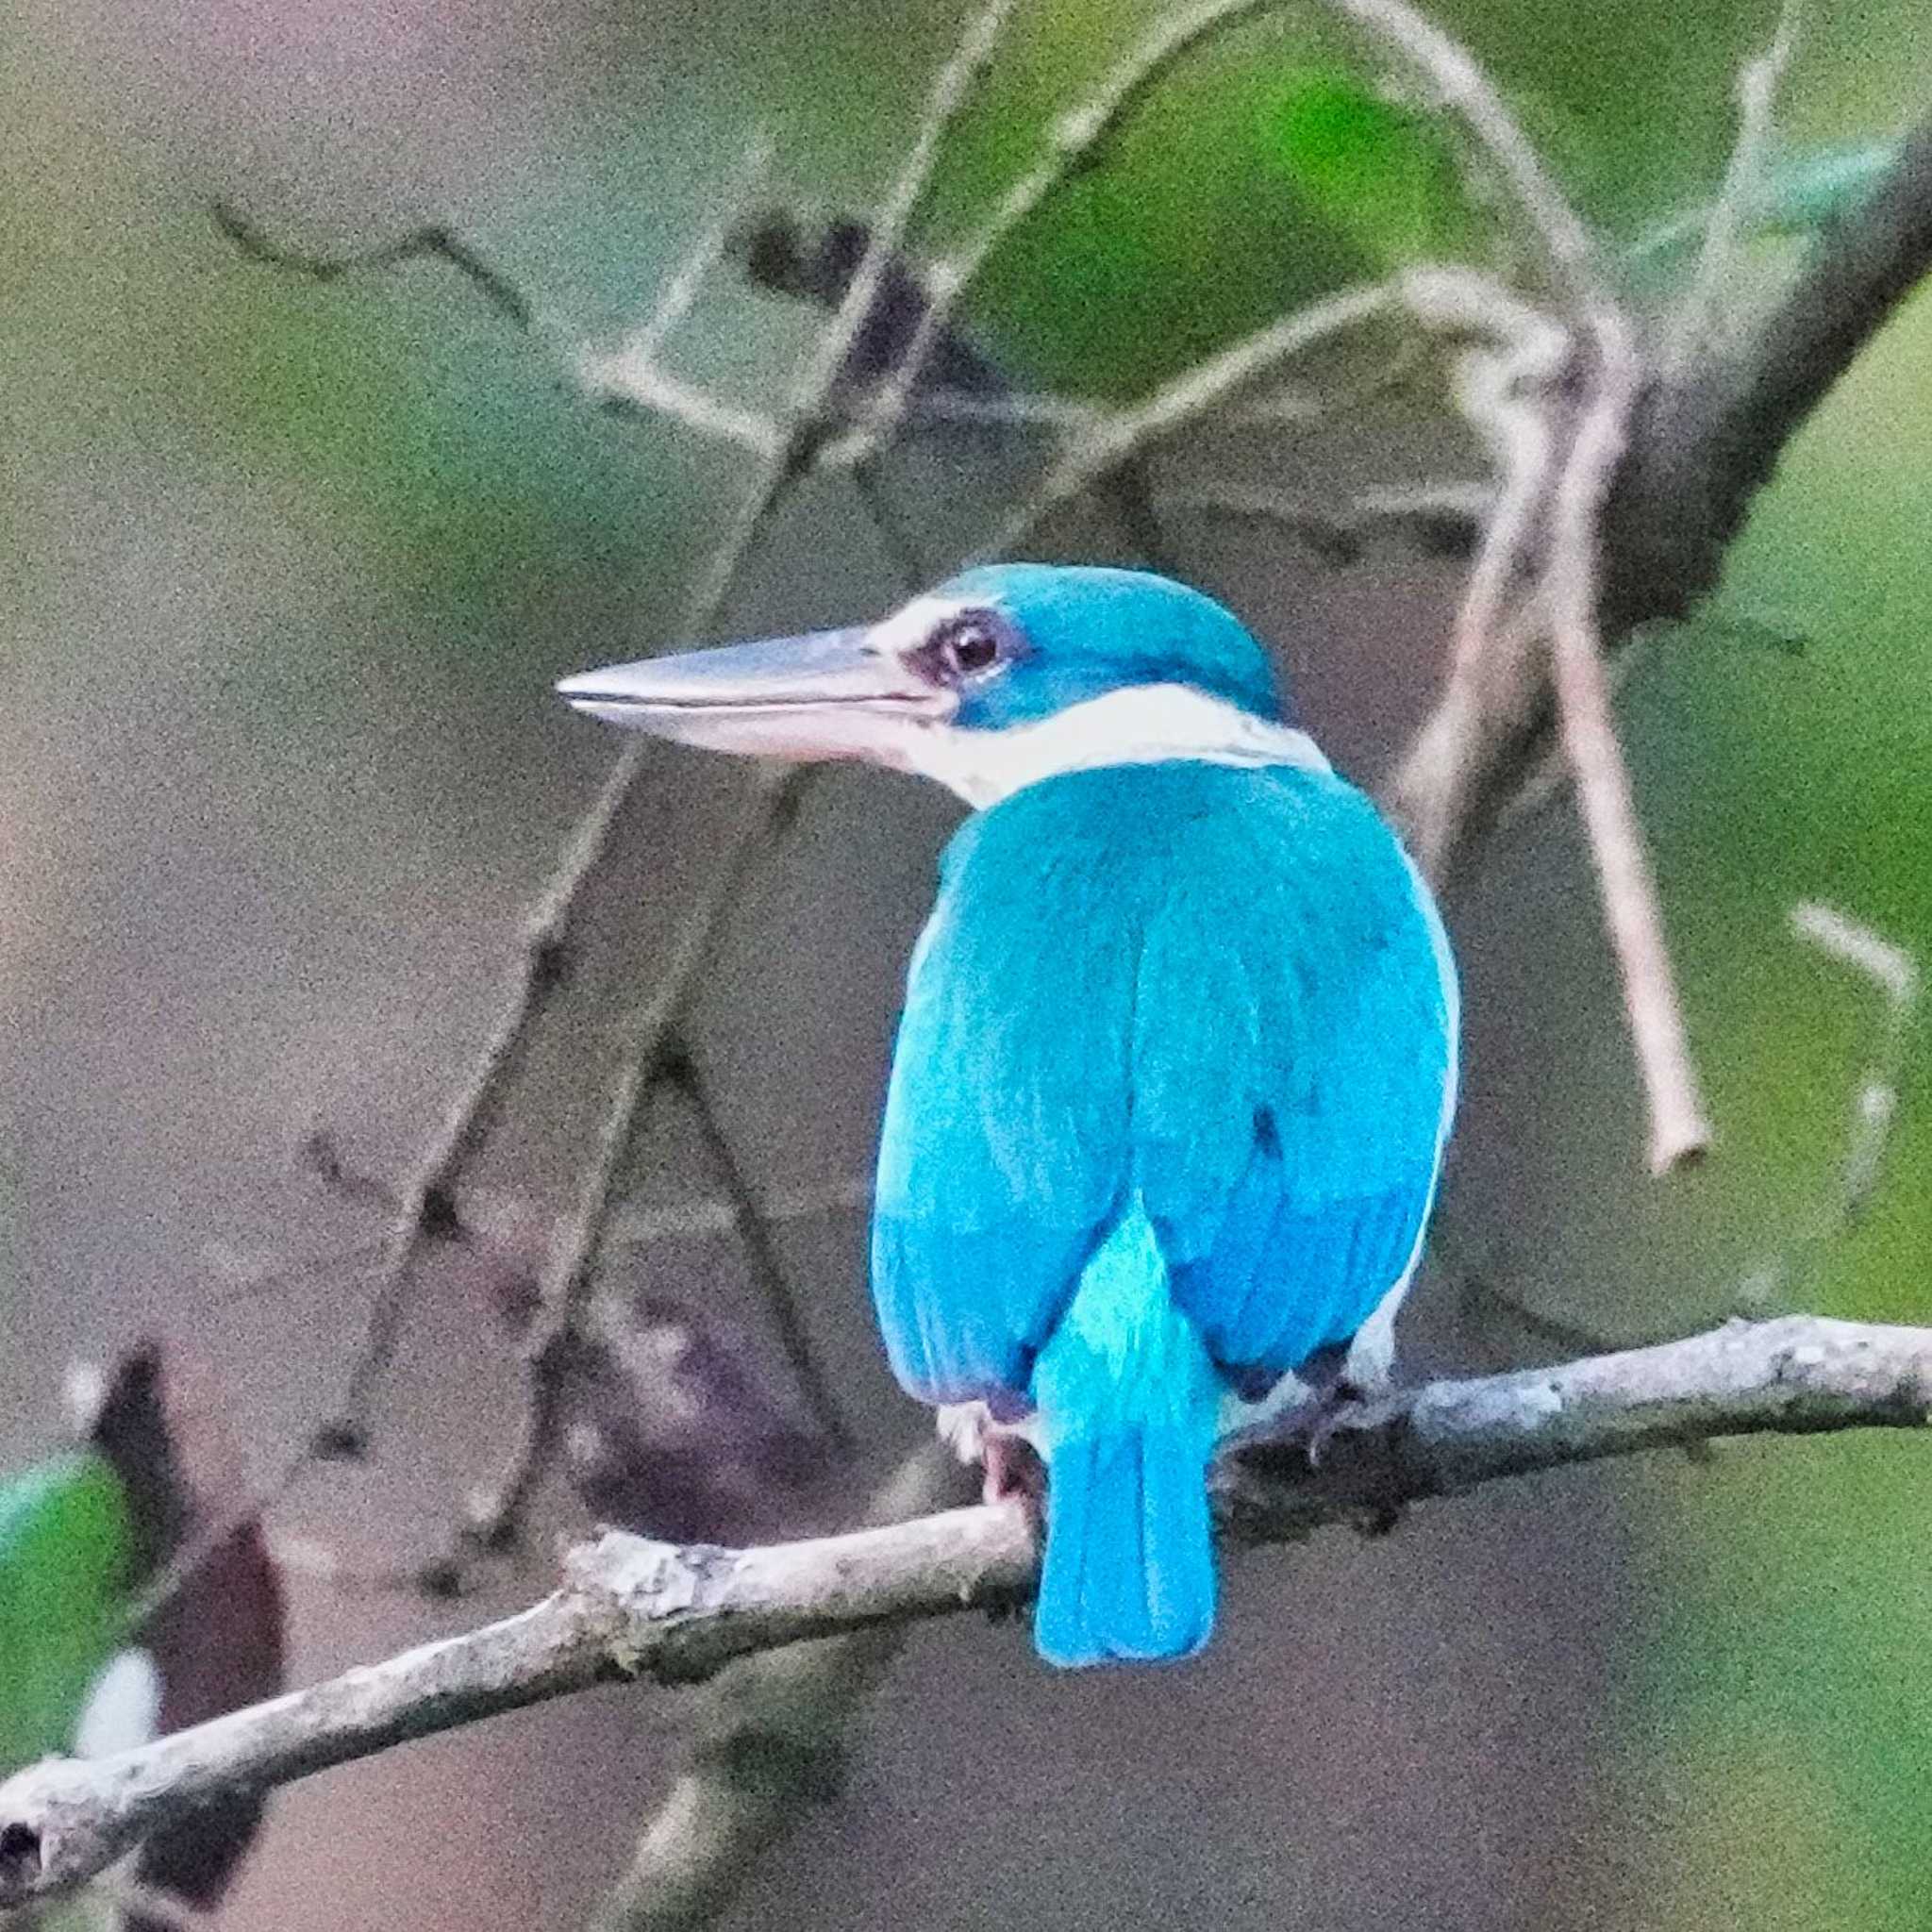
(824, 695)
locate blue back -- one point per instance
(1215, 988)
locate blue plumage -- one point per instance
(1178, 1050)
(1201, 1001)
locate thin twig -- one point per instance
(1894, 974)
(683, 286)
(1435, 520)
(631, 375)
(1075, 143)
(1132, 433)
(754, 1236)
(952, 92)
(1757, 85)
(900, 543)
(1680, 1129)
(431, 242)
(570, 1273)
(630, 1607)
(426, 1210)
(249, 1279)
(1568, 255)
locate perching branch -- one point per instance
(630, 1609)
(775, 1738)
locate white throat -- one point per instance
(1145, 725)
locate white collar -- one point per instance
(1145, 724)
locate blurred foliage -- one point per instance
(1786, 1716)
(1778, 1708)
(65, 1553)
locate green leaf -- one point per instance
(65, 1553)
(1381, 173)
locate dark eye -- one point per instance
(963, 648)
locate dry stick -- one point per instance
(632, 375)
(629, 1607)
(1568, 253)
(1075, 143)
(1570, 586)
(1131, 433)
(952, 92)
(753, 1234)
(1680, 1129)
(427, 1204)
(569, 1275)
(1758, 86)
(1503, 388)
(896, 537)
(1432, 520)
(1894, 974)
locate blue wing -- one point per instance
(1217, 989)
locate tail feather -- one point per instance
(1129, 1569)
(1129, 1399)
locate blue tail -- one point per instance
(1129, 1399)
(1129, 1569)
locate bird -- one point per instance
(1178, 1060)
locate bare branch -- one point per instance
(426, 1211)
(637, 1227)
(1131, 433)
(1075, 143)
(682, 290)
(1679, 1130)
(760, 1252)
(1435, 520)
(1895, 976)
(431, 242)
(775, 1738)
(631, 375)
(626, 382)
(634, 1608)
(1568, 255)
(570, 1273)
(952, 92)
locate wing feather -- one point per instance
(1216, 987)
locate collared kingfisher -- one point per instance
(1177, 1060)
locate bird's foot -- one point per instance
(1317, 1423)
(1306, 1409)
(1002, 1448)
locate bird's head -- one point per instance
(999, 676)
